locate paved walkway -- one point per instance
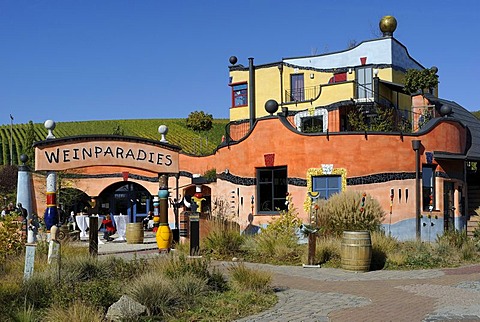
(327, 294)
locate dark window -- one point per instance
(272, 186)
(312, 124)
(327, 185)
(364, 83)
(239, 95)
(428, 188)
(297, 88)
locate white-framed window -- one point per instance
(304, 119)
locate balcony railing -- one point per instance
(303, 94)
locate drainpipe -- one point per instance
(251, 83)
(416, 147)
(280, 68)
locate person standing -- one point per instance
(22, 211)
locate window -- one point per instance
(272, 187)
(312, 124)
(297, 88)
(327, 185)
(428, 188)
(239, 95)
(364, 83)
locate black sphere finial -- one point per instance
(24, 158)
(271, 106)
(233, 60)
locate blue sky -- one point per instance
(78, 60)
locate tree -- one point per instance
(420, 80)
(200, 122)
(8, 179)
(27, 146)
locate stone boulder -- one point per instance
(125, 309)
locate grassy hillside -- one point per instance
(178, 134)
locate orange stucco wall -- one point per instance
(359, 154)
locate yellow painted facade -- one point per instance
(270, 85)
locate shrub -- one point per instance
(84, 268)
(327, 251)
(189, 287)
(274, 248)
(77, 311)
(454, 238)
(11, 243)
(125, 269)
(181, 265)
(154, 291)
(246, 279)
(98, 293)
(382, 247)
(26, 314)
(38, 290)
(347, 211)
(178, 266)
(421, 255)
(278, 242)
(223, 241)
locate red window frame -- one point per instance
(235, 95)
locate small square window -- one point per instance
(239, 95)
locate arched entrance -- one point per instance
(126, 198)
(72, 199)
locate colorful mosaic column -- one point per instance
(156, 215)
(51, 217)
(195, 217)
(164, 234)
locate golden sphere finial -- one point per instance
(388, 24)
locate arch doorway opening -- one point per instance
(126, 198)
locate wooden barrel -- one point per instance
(183, 226)
(356, 251)
(134, 233)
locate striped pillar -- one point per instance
(156, 216)
(164, 234)
(51, 216)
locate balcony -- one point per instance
(304, 94)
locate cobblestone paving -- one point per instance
(299, 305)
(418, 295)
(458, 302)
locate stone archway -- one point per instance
(127, 198)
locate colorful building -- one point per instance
(323, 123)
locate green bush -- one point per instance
(154, 291)
(454, 238)
(95, 292)
(382, 247)
(346, 212)
(11, 242)
(39, 290)
(189, 287)
(246, 279)
(223, 242)
(178, 266)
(278, 242)
(327, 251)
(78, 311)
(84, 268)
